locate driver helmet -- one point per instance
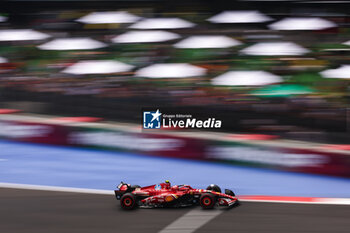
(167, 184)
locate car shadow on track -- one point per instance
(172, 208)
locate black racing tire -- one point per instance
(214, 187)
(207, 201)
(229, 192)
(128, 201)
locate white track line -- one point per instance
(330, 201)
(191, 221)
(56, 188)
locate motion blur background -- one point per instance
(261, 63)
(78, 73)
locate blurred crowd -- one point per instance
(264, 71)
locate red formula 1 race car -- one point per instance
(165, 195)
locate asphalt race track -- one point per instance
(48, 211)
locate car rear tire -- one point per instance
(128, 201)
(207, 201)
(214, 187)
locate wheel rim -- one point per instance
(127, 201)
(206, 201)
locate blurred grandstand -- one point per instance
(276, 67)
(77, 76)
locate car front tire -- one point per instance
(207, 201)
(214, 187)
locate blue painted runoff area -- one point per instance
(84, 168)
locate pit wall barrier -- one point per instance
(160, 144)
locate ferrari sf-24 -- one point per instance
(165, 195)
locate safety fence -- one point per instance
(269, 155)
